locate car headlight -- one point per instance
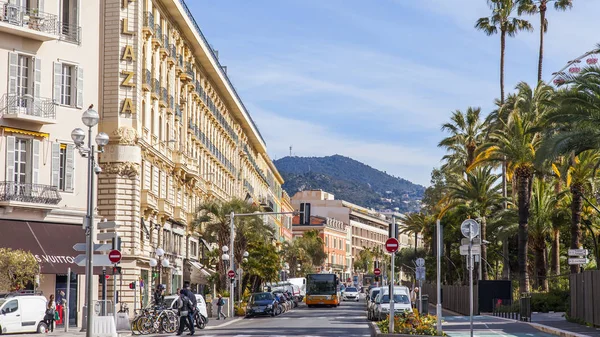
(248, 307)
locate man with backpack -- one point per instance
(220, 304)
(186, 303)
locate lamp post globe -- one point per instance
(225, 257)
(160, 252)
(225, 249)
(153, 263)
(90, 117)
(165, 263)
(246, 254)
(102, 139)
(78, 136)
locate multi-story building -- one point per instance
(286, 219)
(366, 228)
(49, 51)
(334, 234)
(180, 135)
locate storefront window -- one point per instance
(61, 298)
(144, 290)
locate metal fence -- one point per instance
(585, 296)
(454, 298)
(33, 193)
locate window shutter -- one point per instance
(79, 86)
(13, 64)
(70, 168)
(41, 5)
(10, 158)
(35, 167)
(57, 81)
(37, 87)
(55, 164)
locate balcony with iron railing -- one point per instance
(164, 97)
(171, 104)
(155, 88)
(28, 108)
(187, 73)
(148, 26)
(28, 22)
(179, 65)
(147, 83)
(157, 37)
(69, 33)
(178, 113)
(28, 193)
(165, 49)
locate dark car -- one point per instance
(261, 304)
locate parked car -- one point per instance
(22, 314)
(261, 304)
(201, 318)
(381, 307)
(350, 294)
(371, 301)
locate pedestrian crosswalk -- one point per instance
(243, 335)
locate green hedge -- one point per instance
(554, 300)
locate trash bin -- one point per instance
(424, 304)
(525, 307)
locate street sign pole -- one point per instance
(471, 278)
(392, 310)
(438, 308)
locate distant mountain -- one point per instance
(350, 180)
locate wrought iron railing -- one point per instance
(148, 78)
(180, 61)
(149, 21)
(166, 42)
(31, 18)
(173, 49)
(69, 33)
(28, 105)
(220, 68)
(158, 33)
(171, 103)
(178, 111)
(33, 193)
(156, 87)
(190, 71)
(163, 94)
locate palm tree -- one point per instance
(415, 223)
(465, 138)
(502, 21)
(543, 201)
(313, 245)
(212, 221)
(541, 6)
(480, 192)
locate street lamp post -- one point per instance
(90, 118)
(159, 263)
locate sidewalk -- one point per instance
(557, 320)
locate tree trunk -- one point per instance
(540, 265)
(542, 32)
(505, 260)
(416, 241)
(555, 255)
(484, 275)
(576, 209)
(502, 52)
(523, 175)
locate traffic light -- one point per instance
(376, 264)
(132, 285)
(117, 270)
(376, 278)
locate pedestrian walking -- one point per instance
(414, 296)
(185, 308)
(50, 317)
(220, 304)
(159, 297)
(189, 294)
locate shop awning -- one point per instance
(51, 243)
(198, 273)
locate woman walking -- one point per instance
(50, 313)
(220, 304)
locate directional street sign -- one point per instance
(391, 245)
(81, 247)
(420, 262)
(469, 228)
(106, 236)
(420, 273)
(465, 241)
(578, 252)
(578, 260)
(99, 260)
(475, 250)
(377, 271)
(107, 225)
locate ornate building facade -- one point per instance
(180, 135)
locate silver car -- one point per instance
(371, 302)
(381, 307)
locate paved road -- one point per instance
(488, 326)
(349, 320)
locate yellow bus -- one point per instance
(322, 290)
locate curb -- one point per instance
(374, 329)
(545, 328)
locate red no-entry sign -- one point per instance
(231, 274)
(391, 245)
(377, 271)
(114, 256)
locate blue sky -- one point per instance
(375, 80)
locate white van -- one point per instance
(23, 314)
(301, 283)
(200, 305)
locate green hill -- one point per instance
(350, 180)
